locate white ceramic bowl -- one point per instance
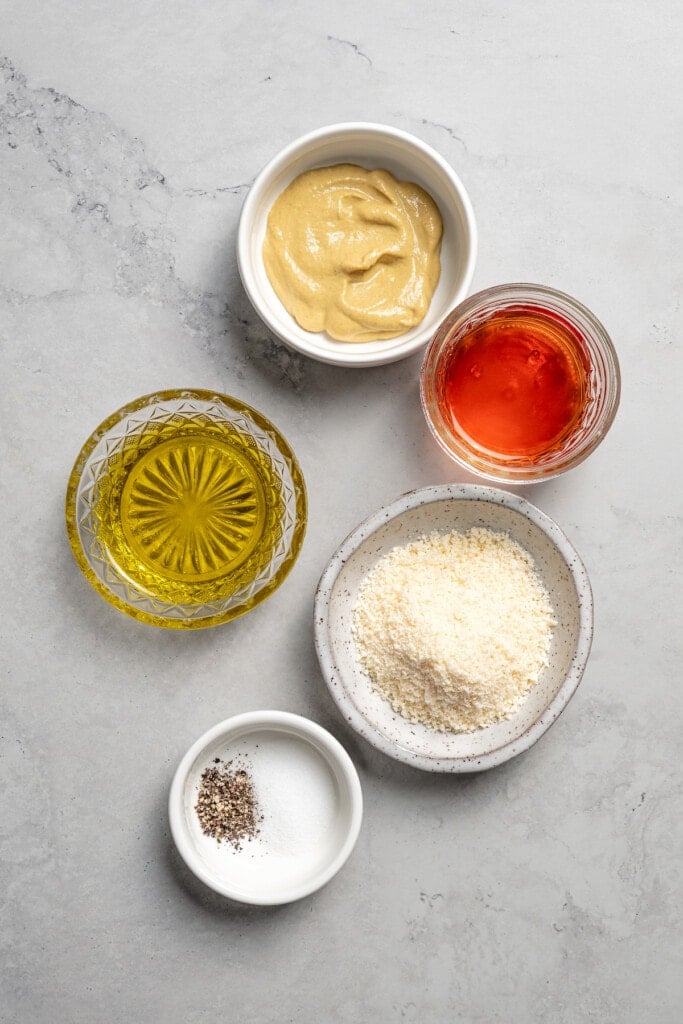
(308, 793)
(442, 508)
(371, 146)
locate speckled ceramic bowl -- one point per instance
(371, 146)
(442, 508)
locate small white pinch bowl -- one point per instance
(275, 868)
(442, 508)
(371, 146)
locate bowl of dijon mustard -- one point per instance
(355, 242)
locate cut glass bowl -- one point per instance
(185, 509)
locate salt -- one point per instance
(296, 794)
(297, 802)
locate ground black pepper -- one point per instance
(226, 804)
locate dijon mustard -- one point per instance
(353, 252)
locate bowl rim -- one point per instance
(71, 500)
(369, 526)
(275, 721)
(355, 354)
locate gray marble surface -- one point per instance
(548, 890)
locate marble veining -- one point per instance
(116, 196)
(546, 890)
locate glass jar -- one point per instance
(520, 383)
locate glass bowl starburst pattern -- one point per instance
(185, 509)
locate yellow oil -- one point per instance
(190, 511)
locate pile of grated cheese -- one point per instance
(454, 629)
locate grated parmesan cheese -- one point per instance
(454, 629)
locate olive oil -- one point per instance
(189, 510)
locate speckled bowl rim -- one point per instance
(332, 674)
(278, 722)
(358, 354)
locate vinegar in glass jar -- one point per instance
(517, 382)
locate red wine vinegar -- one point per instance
(516, 383)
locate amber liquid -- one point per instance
(516, 384)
